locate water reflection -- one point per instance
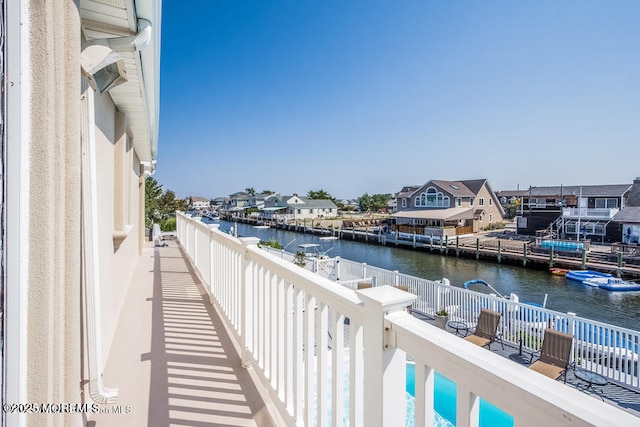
(618, 308)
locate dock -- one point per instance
(511, 250)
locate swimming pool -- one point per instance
(445, 403)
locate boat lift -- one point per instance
(512, 297)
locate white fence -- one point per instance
(290, 326)
(606, 349)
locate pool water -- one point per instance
(445, 402)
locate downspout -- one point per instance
(133, 43)
(91, 271)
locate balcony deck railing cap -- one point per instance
(389, 298)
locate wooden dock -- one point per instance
(502, 251)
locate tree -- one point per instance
(319, 195)
(160, 207)
(375, 202)
(250, 191)
(152, 191)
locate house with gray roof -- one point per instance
(628, 219)
(299, 207)
(447, 208)
(572, 211)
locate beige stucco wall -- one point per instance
(53, 341)
(116, 198)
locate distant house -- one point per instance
(274, 207)
(447, 208)
(350, 204)
(196, 202)
(567, 212)
(628, 219)
(219, 201)
(299, 207)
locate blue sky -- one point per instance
(367, 96)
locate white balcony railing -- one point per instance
(289, 324)
(589, 213)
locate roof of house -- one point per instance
(631, 212)
(450, 214)
(199, 199)
(615, 190)
(314, 203)
(408, 190)
(464, 188)
(512, 193)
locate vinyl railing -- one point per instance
(609, 350)
(291, 327)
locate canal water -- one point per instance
(616, 308)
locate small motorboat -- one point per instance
(613, 284)
(558, 271)
(582, 275)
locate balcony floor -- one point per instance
(172, 359)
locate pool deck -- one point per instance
(612, 393)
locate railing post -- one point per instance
(246, 299)
(338, 269)
(384, 364)
(214, 228)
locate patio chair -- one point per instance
(486, 330)
(554, 354)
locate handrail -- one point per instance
(290, 327)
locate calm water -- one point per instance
(617, 308)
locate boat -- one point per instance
(313, 250)
(558, 271)
(613, 284)
(582, 275)
(328, 238)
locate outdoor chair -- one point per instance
(486, 330)
(554, 354)
(364, 285)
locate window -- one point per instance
(606, 203)
(490, 202)
(432, 198)
(481, 202)
(490, 217)
(458, 201)
(404, 203)
(470, 201)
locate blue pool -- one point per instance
(562, 245)
(445, 402)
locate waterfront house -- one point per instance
(568, 211)
(628, 227)
(196, 202)
(274, 208)
(628, 218)
(301, 208)
(447, 208)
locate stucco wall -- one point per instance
(51, 208)
(116, 182)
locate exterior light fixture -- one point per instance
(103, 67)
